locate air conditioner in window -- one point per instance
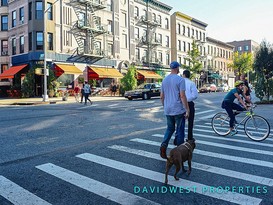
(4, 53)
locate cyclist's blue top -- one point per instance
(230, 97)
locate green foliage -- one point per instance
(93, 82)
(264, 71)
(53, 84)
(28, 84)
(242, 63)
(129, 81)
(80, 80)
(194, 59)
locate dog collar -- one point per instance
(186, 144)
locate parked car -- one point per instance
(144, 91)
(222, 88)
(207, 88)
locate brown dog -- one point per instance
(178, 156)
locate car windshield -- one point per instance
(144, 86)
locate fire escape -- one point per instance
(148, 40)
(85, 30)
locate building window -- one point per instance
(4, 2)
(21, 15)
(189, 32)
(180, 60)
(30, 41)
(13, 43)
(124, 41)
(246, 48)
(189, 46)
(179, 45)
(184, 46)
(39, 10)
(22, 44)
(159, 20)
(160, 38)
(137, 54)
(39, 41)
(49, 11)
(204, 37)
(109, 27)
(30, 11)
(239, 48)
(166, 23)
(50, 41)
(178, 29)
(184, 30)
(4, 47)
(110, 49)
(123, 20)
(109, 5)
(13, 23)
(167, 59)
(4, 23)
(167, 41)
(136, 33)
(4, 67)
(136, 11)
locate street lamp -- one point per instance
(45, 97)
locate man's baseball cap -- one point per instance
(174, 65)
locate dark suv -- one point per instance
(144, 91)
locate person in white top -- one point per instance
(191, 95)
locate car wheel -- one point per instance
(130, 98)
(145, 96)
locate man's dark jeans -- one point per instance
(229, 107)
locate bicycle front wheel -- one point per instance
(220, 124)
(257, 128)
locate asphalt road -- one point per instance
(108, 153)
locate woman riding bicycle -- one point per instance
(229, 105)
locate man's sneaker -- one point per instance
(233, 132)
(163, 152)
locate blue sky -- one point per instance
(230, 20)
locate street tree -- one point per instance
(129, 81)
(263, 66)
(242, 63)
(194, 59)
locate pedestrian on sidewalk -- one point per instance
(87, 92)
(82, 92)
(191, 95)
(77, 93)
(175, 105)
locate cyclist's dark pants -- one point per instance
(229, 106)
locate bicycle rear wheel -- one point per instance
(257, 128)
(220, 124)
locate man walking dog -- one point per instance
(175, 105)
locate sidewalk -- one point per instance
(54, 100)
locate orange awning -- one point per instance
(149, 74)
(12, 71)
(96, 72)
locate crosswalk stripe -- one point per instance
(225, 139)
(241, 128)
(203, 112)
(156, 176)
(203, 167)
(18, 195)
(205, 117)
(94, 186)
(257, 151)
(215, 155)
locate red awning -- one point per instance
(12, 71)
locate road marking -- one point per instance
(156, 176)
(256, 151)
(94, 186)
(215, 155)
(203, 167)
(18, 195)
(205, 117)
(206, 111)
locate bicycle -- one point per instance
(256, 127)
